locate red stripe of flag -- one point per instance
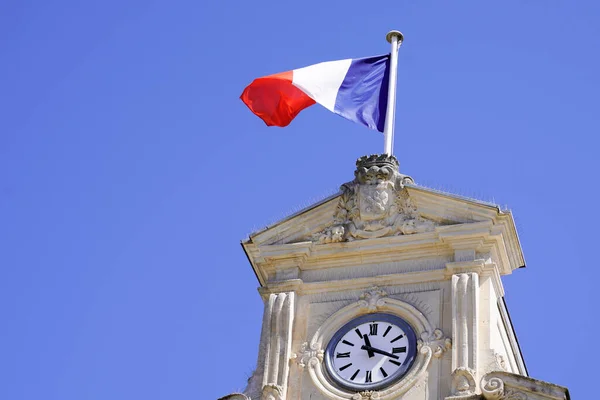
(275, 100)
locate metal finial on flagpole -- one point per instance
(395, 38)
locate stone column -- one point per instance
(276, 345)
(465, 323)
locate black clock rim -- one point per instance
(374, 317)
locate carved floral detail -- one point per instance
(272, 392)
(309, 354)
(332, 234)
(435, 342)
(367, 395)
(493, 389)
(372, 298)
(375, 204)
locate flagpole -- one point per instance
(395, 38)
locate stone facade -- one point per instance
(384, 244)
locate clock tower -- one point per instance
(389, 290)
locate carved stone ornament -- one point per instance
(435, 342)
(367, 395)
(309, 354)
(272, 392)
(463, 381)
(375, 204)
(493, 389)
(372, 298)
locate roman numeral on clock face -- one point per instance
(345, 366)
(368, 377)
(387, 331)
(342, 355)
(372, 329)
(396, 338)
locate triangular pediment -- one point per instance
(383, 215)
(429, 207)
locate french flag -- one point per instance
(356, 89)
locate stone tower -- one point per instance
(388, 290)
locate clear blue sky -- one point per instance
(130, 171)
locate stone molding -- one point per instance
(432, 344)
(415, 282)
(275, 264)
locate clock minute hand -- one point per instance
(374, 350)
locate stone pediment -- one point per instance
(379, 202)
(382, 216)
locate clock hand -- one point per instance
(367, 344)
(374, 350)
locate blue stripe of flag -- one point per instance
(362, 97)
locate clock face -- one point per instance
(371, 352)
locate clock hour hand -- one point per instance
(367, 344)
(374, 350)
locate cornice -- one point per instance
(461, 242)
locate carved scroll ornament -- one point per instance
(309, 354)
(493, 388)
(372, 299)
(463, 381)
(272, 392)
(435, 342)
